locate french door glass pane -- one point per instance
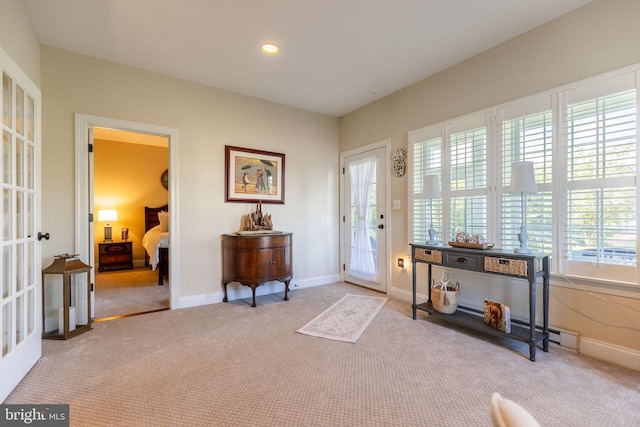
(19, 163)
(6, 327)
(20, 331)
(19, 215)
(31, 315)
(6, 272)
(19, 110)
(7, 200)
(30, 170)
(6, 158)
(7, 92)
(31, 118)
(20, 284)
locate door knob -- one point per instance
(381, 226)
(43, 236)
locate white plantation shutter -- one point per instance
(468, 180)
(582, 140)
(426, 158)
(527, 137)
(601, 182)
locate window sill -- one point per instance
(627, 290)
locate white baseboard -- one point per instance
(237, 291)
(616, 354)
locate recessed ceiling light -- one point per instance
(270, 48)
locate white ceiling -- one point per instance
(336, 55)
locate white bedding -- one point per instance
(152, 240)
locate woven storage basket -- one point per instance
(514, 267)
(428, 255)
(444, 295)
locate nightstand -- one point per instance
(115, 255)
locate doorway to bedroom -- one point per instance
(129, 177)
(121, 168)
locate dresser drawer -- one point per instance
(464, 260)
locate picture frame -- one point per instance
(253, 176)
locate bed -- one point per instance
(156, 240)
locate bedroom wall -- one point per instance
(127, 178)
(206, 120)
(599, 37)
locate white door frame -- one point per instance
(83, 208)
(386, 251)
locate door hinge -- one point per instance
(344, 218)
(342, 171)
(91, 148)
(92, 287)
(344, 268)
(90, 217)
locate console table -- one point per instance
(489, 261)
(254, 259)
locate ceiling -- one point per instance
(335, 55)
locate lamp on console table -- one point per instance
(431, 190)
(523, 181)
(107, 215)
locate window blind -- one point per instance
(601, 170)
(527, 138)
(468, 181)
(427, 160)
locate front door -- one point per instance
(20, 305)
(364, 218)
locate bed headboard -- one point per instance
(151, 216)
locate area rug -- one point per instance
(345, 320)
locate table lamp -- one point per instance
(523, 181)
(107, 215)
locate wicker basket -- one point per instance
(444, 295)
(513, 267)
(428, 255)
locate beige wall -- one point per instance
(18, 39)
(599, 37)
(127, 178)
(206, 120)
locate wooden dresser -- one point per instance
(255, 259)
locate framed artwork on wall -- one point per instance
(253, 175)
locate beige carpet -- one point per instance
(127, 292)
(228, 364)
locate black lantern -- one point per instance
(66, 298)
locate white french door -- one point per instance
(364, 217)
(20, 305)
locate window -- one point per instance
(601, 229)
(583, 143)
(527, 136)
(468, 181)
(427, 155)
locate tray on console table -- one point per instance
(529, 267)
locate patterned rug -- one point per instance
(345, 320)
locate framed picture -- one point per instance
(253, 176)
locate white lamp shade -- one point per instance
(431, 188)
(523, 179)
(107, 215)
